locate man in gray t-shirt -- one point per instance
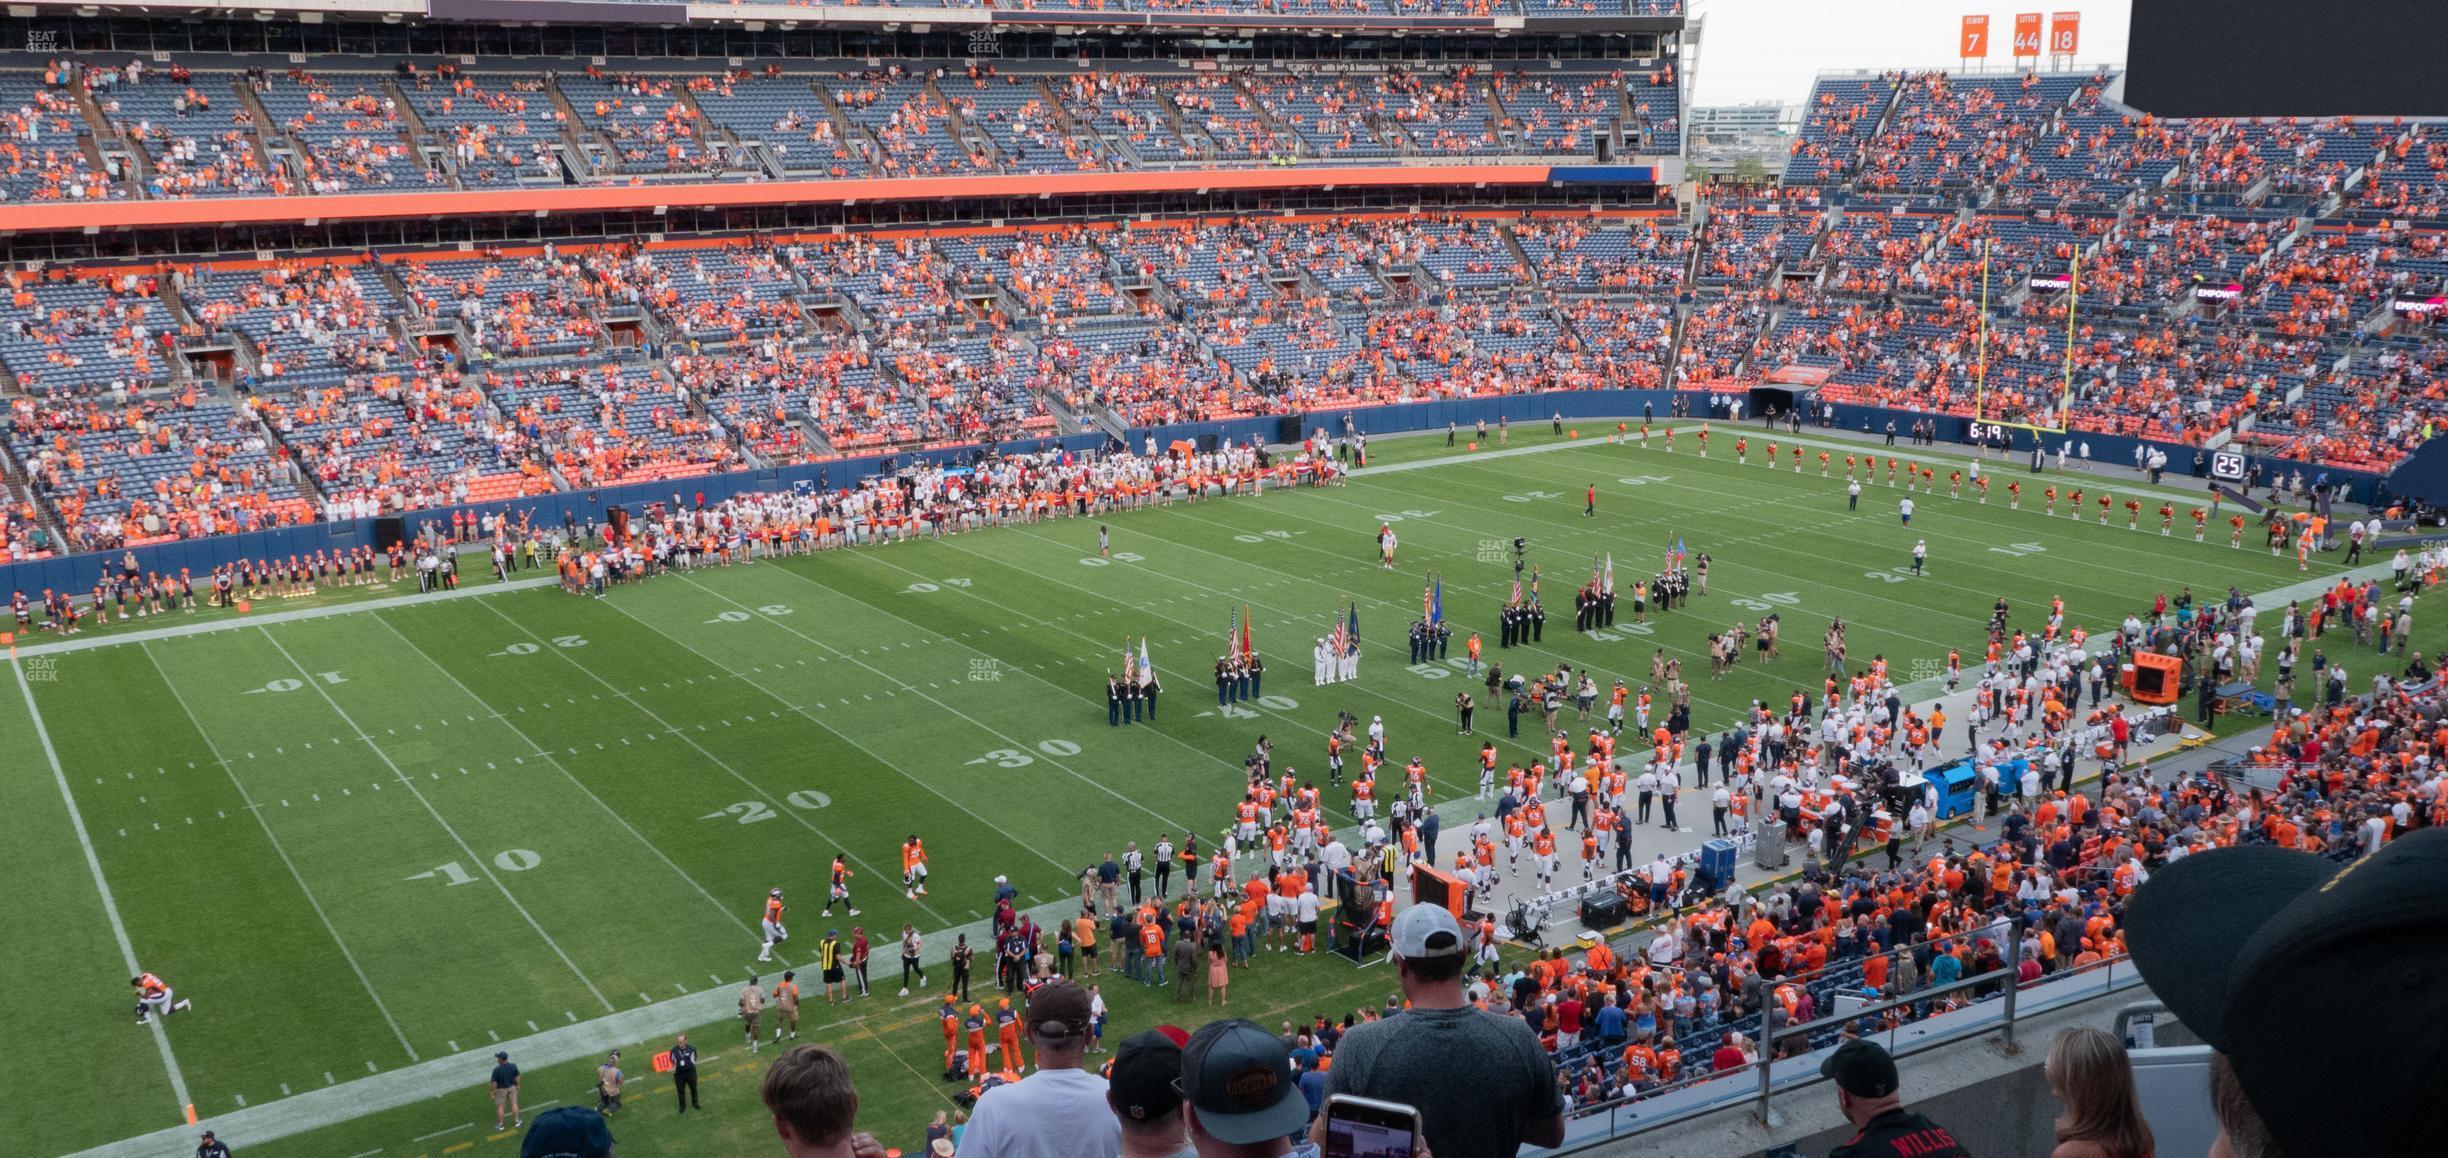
(1482, 1084)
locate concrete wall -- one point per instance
(1995, 1102)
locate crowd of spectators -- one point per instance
(331, 130)
(2201, 308)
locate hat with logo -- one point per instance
(1424, 931)
(2249, 945)
(1143, 1084)
(1239, 1078)
(1861, 1068)
(1059, 1010)
(568, 1132)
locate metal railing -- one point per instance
(1772, 1076)
(1589, 1045)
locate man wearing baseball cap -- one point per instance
(1057, 1112)
(569, 1132)
(1144, 1091)
(1245, 1099)
(1482, 1083)
(505, 1086)
(2254, 946)
(1869, 1092)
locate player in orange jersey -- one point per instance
(838, 891)
(775, 934)
(913, 867)
(153, 997)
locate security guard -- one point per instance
(684, 1073)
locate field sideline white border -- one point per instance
(460, 1073)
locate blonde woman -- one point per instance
(2090, 1074)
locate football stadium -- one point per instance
(735, 578)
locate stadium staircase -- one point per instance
(973, 141)
(423, 142)
(580, 162)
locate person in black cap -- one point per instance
(505, 1087)
(1143, 1089)
(2251, 945)
(1245, 1098)
(212, 1147)
(1868, 1090)
(569, 1132)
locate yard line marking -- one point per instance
(717, 761)
(327, 1078)
(454, 1047)
(642, 996)
(854, 741)
(93, 862)
(439, 1077)
(240, 1099)
(482, 865)
(533, 1027)
(284, 1089)
(972, 720)
(439, 1133)
(372, 1069)
(367, 1153)
(1177, 741)
(493, 1035)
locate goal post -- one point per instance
(2062, 412)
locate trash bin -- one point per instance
(1771, 848)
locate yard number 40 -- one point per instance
(290, 685)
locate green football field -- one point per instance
(412, 829)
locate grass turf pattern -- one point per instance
(369, 839)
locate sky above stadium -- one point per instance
(1768, 50)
